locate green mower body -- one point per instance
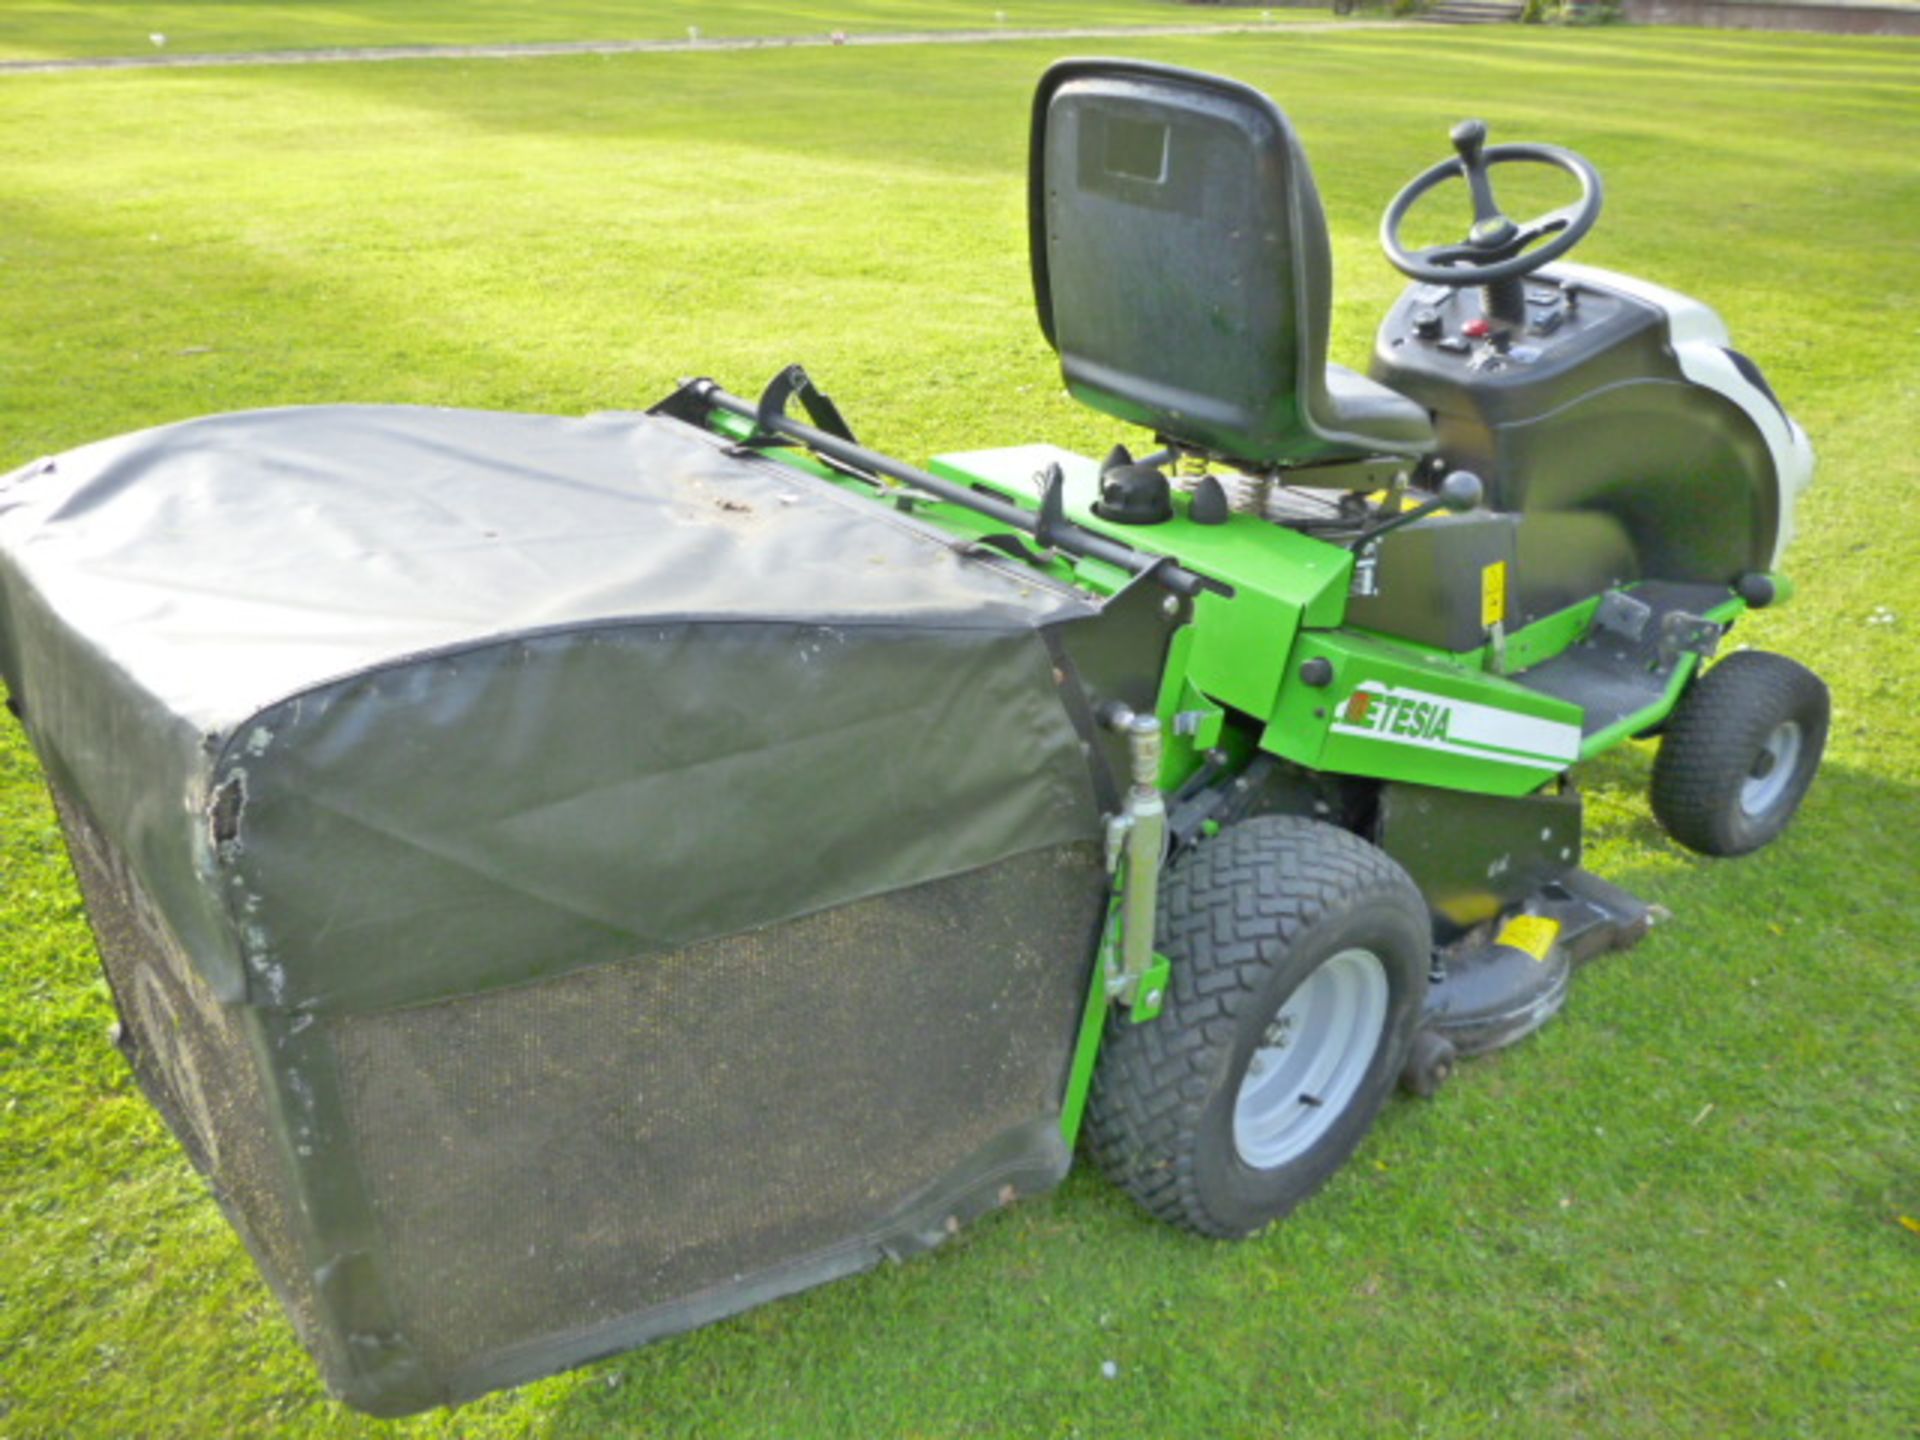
(1402, 607)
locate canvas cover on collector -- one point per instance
(564, 880)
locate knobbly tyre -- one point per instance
(569, 880)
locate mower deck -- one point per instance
(1493, 989)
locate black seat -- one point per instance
(1181, 267)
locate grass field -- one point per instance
(1678, 1210)
(49, 29)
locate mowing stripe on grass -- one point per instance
(356, 55)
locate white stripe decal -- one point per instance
(1456, 727)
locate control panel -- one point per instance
(1439, 327)
(1439, 346)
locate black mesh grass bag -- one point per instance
(563, 880)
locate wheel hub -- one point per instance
(1312, 1057)
(1772, 769)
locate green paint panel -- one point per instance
(1150, 995)
(1540, 641)
(1241, 650)
(1179, 754)
(1281, 579)
(1093, 1024)
(1423, 715)
(1548, 636)
(1402, 712)
(1246, 552)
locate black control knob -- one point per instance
(1134, 495)
(1462, 491)
(1426, 324)
(1210, 505)
(1469, 137)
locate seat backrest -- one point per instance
(1180, 256)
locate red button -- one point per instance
(1476, 329)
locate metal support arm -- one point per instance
(1063, 534)
(1136, 845)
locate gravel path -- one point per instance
(359, 55)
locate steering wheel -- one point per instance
(1496, 249)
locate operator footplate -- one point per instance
(1625, 662)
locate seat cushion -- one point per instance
(1363, 408)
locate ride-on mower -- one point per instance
(569, 880)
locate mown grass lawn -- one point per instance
(49, 29)
(1675, 1211)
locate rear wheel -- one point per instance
(1299, 960)
(1739, 753)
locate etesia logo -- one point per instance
(1457, 727)
(1393, 714)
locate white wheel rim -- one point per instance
(1772, 770)
(1315, 1053)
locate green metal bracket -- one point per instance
(1142, 990)
(1150, 992)
(1197, 719)
(1136, 842)
(1126, 968)
(1086, 1050)
(1114, 981)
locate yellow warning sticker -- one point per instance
(1532, 934)
(1380, 497)
(1493, 594)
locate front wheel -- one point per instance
(1299, 958)
(1739, 752)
